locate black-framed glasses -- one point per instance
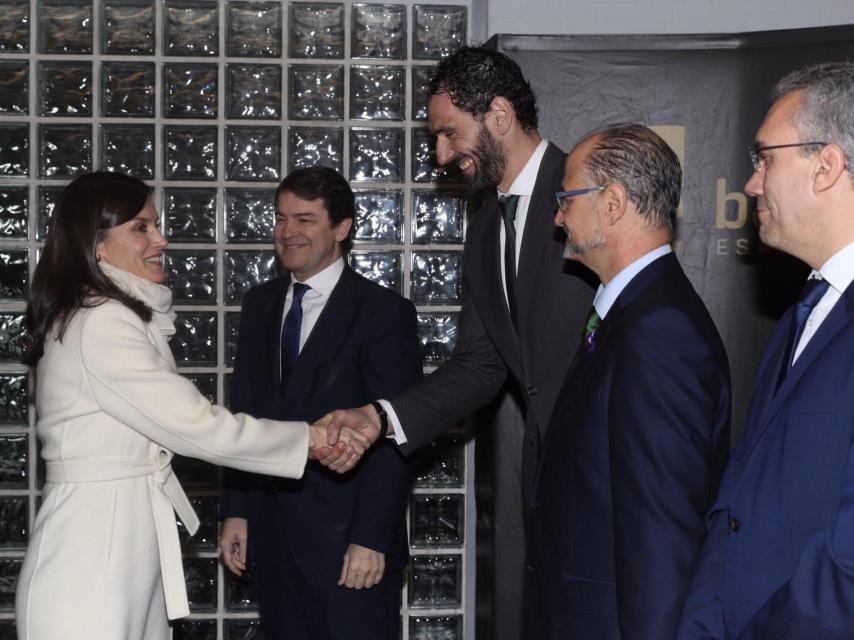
(563, 197)
(758, 161)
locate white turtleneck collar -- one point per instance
(158, 297)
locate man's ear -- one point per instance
(829, 167)
(342, 229)
(503, 114)
(615, 202)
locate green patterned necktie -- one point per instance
(507, 205)
(593, 321)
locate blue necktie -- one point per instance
(291, 330)
(812, 292)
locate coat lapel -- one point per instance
(273, 333)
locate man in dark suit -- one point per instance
(522, 309)
(329, 550)
(639, 435)
(778, 561)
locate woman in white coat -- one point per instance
(104, 560)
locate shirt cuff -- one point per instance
(396, 431)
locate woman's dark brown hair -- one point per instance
(67, 276)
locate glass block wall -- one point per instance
(211, 102)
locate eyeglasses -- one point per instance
(563, 197)
(758, 161)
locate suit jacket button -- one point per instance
(532, 391)
(535, 506)
(529, 568)
(734, 525)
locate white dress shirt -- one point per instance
(606, 295)
(313, 300)
(839, 272)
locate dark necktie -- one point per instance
(507, 205)
(291, 330)
(593, 321)
(812, 292)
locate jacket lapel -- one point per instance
(273, 333)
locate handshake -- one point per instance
(339, 439)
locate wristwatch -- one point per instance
(383, 416)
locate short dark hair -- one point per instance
(67, 276)
(323, 183)
(638, 158)
(474, 76)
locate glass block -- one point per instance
(316, 92)
(205, 383)
(7, 630)
(436, 628)
(424, 165)
(14, 206)
(243, 629)
(245, 269)
(255, 29)
(436, 277)
(200, 576)
(191, 153)
(194, 629)
(65, 150)
(14, 274)
(14, 526)
(14, 26)
(14, 149)
(194, 474)
(313, 146)
(379, 215)
(9, 570)
(438, 30)
(440, 463)
(226, 390)
(14, 454)
(317, 30)
(191, 275)
(437, 217)
(194, 342)
(48, 195)
(14, 87)
(12, 336)
(65, 88)
(377, 93)
(421, 77)
(436, 520)
(239, 592)
(206, 537)
(376, 154)
(384, 268)
(14, 398)
(437, 335)
(128, 148)
(190, 90)
(250, 215)
(379, 31)
(435, 582)
(65, 26)
(254, 153)
(191, 28)
(127, 89)
(232, 330)
(189, 214)
(254, 91)
(127, 27)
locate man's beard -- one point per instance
(573, 249)
(490, 162)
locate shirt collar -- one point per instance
(524, 183)
(324, 281)
(606, 295)
(839, 269)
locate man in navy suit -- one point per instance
(329, 550)
(639, 435)
(778, 561)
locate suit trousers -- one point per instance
(292, 609)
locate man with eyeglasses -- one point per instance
(639, 435)
(778, 561)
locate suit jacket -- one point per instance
(631, 462)
(778, 561)
(363, 346)
(552, 305)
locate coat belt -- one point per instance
(167, 499)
